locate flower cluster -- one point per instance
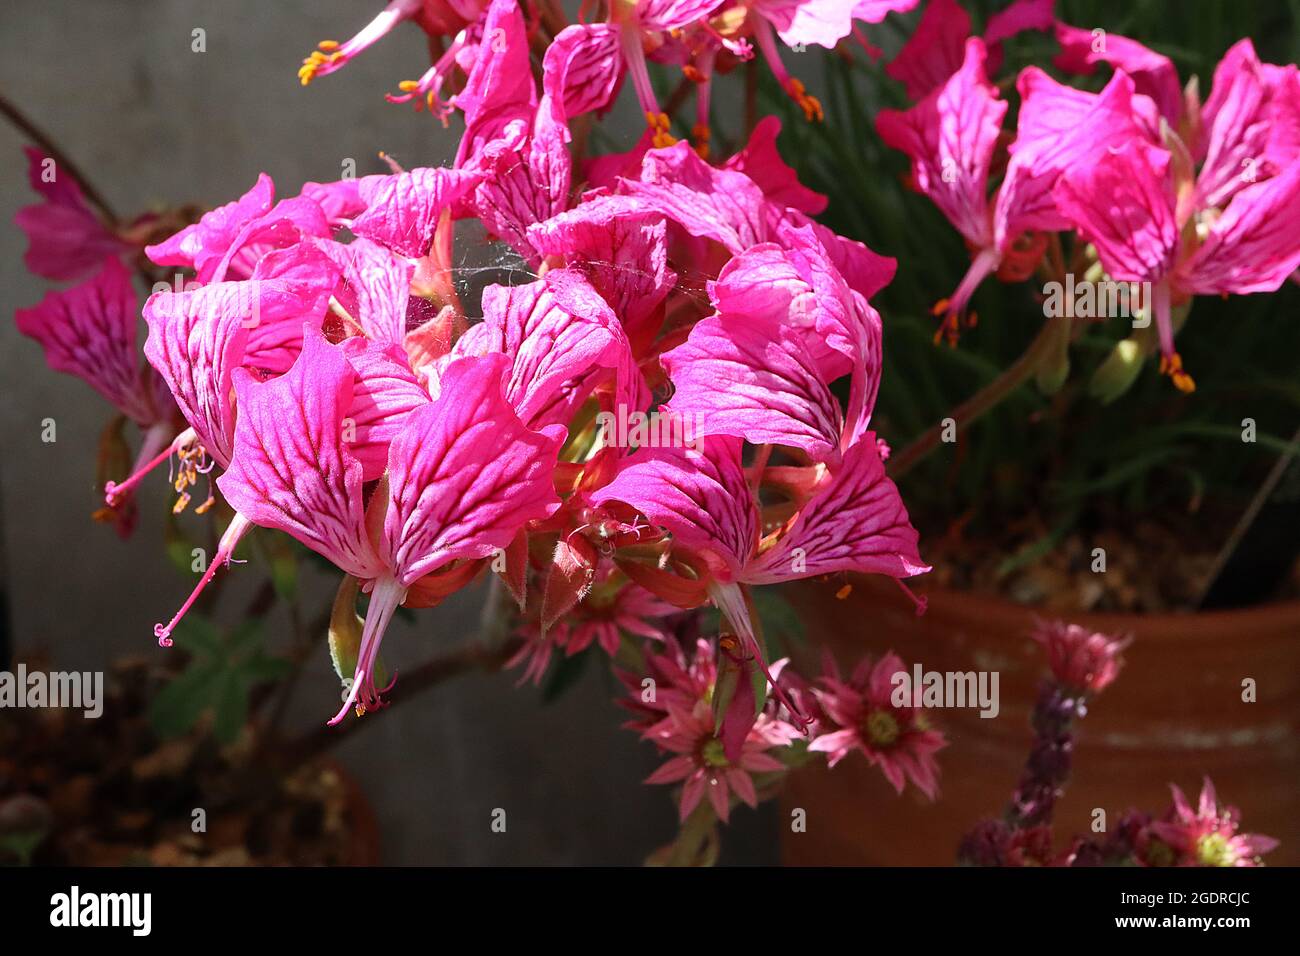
(323, 362)
(705, 706)
(1164, 189)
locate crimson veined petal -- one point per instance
(292, 468)
(89, 330)
(855, 522)
(465, 473)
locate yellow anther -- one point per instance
(408, 86)
(811, 106)
(692, 73)
(1172, 365)
(329, 46)
(700, 134)
(659, 125)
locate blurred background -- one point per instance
(116, 85)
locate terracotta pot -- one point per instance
(1174, 714)
(363, 826)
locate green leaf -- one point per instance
(564, 676)
(230, 706)
(178, 706)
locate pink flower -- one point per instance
(951, 137)
(676, 679)
(1127, 204)
(1080, 659)
(90, 331)
(464, 476)
(1203, 836)
(515, 144)
(854, 522)
(865, 718)
(612, 608)
(702, 766)
(66, 239)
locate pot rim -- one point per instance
(996, 612)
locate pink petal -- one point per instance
(950, 137)
(1059, 127)
(935, 51)
(621, 248)
(692, 793)
(875, 11)
(291, 469)
(1019, 16)
(286, 224)
(1124, 205)
(1237, 124)
(402, 210)
(754, 381)
(89, 331)
(678, 768)
(561, 337)
(667, 15)
(1254, 246)
(824, 22)
(856, 523)
(583, 68)
(214, 232)
(525, 177)
(465, 474)
(385, 392)
(376, 287)
(760, 161)
(719, 796)
(1153, 73)
(198, 338)
(66, 239)
(500, 87)
(719, 204)
(700, 496)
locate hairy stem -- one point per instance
(42, 139)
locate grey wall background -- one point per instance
(116, 84)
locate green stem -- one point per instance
(983, 401)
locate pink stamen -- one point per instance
(731, 602)
(767, 46)
(922, 602)
(428, 88)
(225, 550)
(870, 48)
(385, 597)
(149, 458)
(634, 55)
(332, 56)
